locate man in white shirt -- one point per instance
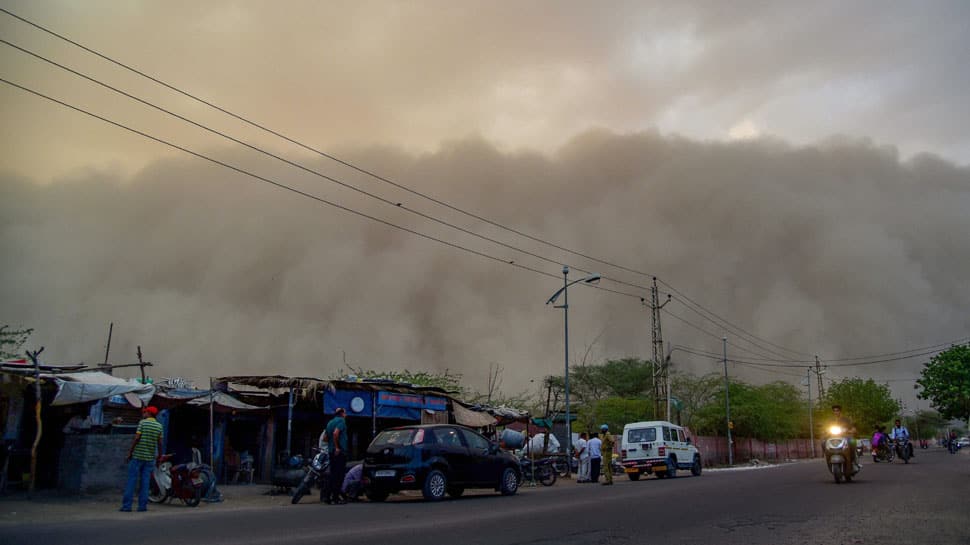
(595, 457)
(582, 453)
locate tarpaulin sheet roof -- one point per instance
(94, 385)
(470, 418)
(223, 399)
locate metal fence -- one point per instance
(714, 449)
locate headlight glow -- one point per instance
(835, 430)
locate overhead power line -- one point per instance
(792, 365)
(299, 192)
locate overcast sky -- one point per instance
(801, 168)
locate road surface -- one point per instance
(924, 502)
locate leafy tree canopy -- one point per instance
(865, 402)
(614, 411)
(945, 381)
(771, 411)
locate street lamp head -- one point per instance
(592, 279)
(565, 269)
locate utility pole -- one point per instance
(142, 364)
(818, 373)
(811, 424)
(40, 424)
(107, 349)
(661, 377)
(727, 405)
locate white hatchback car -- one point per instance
(657, 447)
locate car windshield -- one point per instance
(642, 435)
(393, 438)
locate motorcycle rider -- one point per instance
(899, 432)
(848, 428)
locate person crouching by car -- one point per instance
(352, 481)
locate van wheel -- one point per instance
(696, 467)
(672, 466)
(633, 476)
(435, 486)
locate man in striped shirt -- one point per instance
(141, 458)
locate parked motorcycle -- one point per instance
(837, 455)
(904, 449)
(559, 465)
(184, 481)
(542, 470)
(316, 474)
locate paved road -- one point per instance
(925, 502)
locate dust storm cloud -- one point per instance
(841, 247)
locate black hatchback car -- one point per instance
(437, 460)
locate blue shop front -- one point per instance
(371, 410)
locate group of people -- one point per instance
(882, 440)
(593, 454)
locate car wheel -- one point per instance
(633, 476)
(510, 482)
(435, 486)
(376, 495)
(696, 467)
(455, 491)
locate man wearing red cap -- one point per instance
(141, 458)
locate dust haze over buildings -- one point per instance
(690, 141)
(840, 248)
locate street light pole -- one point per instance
(565, 322)
(564, 291)
(727, 404)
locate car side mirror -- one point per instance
(492, 448)
(688, 440)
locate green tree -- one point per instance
(926, 424)
(11, 340)
(945, 381)
(694, 393)
(865, 402)
(615, 411)
(770, 412)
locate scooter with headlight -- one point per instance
(838, 455)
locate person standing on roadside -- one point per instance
(337, 441)
(595, 457)
(582, 453)
(141, 459)
(607, 454)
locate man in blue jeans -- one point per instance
(141, 459)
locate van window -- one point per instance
(667, 434)
(681, 437)
(641, 435)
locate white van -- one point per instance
(657, 447)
